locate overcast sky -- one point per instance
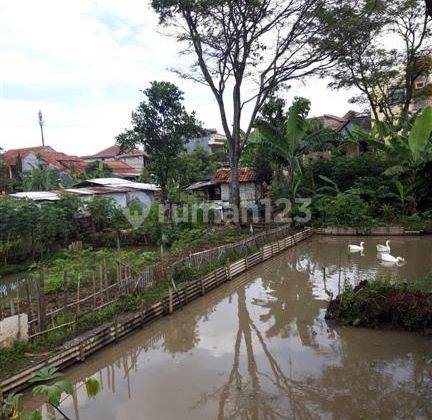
(83, 63)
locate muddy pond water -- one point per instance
(260, 348)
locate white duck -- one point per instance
(384, 248)
(356, 248)
(390, 258)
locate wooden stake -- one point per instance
(29, 301)
(65, 293)
(78, 299)
(94, 291)
(170, 301)
(101, 282)
(41, 301)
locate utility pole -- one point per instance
(41, 124)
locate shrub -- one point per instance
(344, 210)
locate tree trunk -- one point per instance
(234, 180)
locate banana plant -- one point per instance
(409, 153)
(287, 145)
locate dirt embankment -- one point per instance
(379, 304)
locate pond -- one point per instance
(259, 347)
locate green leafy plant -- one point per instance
(11, 407)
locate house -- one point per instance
(120, 191)
(345, 126)
(217, 189)
(134, 158)
(120, 169)
(422, 92)
(212, 141)
(329, 121)
(27, 159)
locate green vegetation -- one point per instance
(162, 125)
(373, 304)
(83, 265)
(356, 180)
(21, 354)
(52, 392)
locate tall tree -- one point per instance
(245, 49)
(162, 126)
(354, 32)
(385, 77)
(412, 26)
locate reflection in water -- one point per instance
(259, 348)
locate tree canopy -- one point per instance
(162, 126)
(243, 50)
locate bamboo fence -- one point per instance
(81, 347)
(45, 317)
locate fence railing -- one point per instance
(46, 314)
(83, 347)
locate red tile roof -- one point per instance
(223, 175)
(119, 167)
(60, 161)
(114, 151)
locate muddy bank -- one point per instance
(380, 303)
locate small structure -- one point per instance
(40, 157)
(37, 195)
(217, 189)
(212, 141)
(134, 158)
(120, 191)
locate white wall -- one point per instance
(118, 199)
(137, 162)
(145, 198)
(31, 161)
(13, 328)
(248, 192)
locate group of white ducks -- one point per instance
(383, 252)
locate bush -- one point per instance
(344, 210)
(371, 304)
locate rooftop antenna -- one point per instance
(41, 124)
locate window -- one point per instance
(396, 95)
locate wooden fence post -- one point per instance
(41, 301)
(170, 301)
(65, 293)
(94, 291)
(29, 301)
(229, 270)
(101, 282)
(78, 299)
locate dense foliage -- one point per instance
(162, 126)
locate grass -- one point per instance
(402, 305)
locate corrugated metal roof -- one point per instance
(80, 191)
(112, 182)
(201, 184)
(37, 195)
